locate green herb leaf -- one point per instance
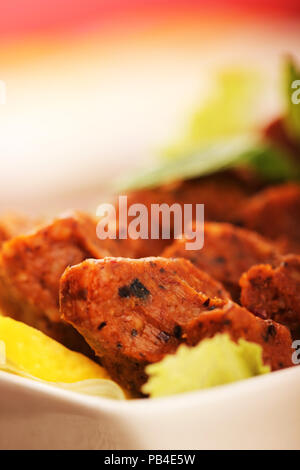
(248, 150)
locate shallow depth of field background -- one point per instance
(94, 88)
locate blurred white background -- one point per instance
(84, 109)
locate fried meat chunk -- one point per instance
(227, 253)
(222, 195)
(134, 312)
(31, 266)
(275, 214)
(274, 292)
(12, 225)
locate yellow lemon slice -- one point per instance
(30, 351)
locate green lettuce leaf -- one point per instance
(223, 134)
(230, 110)
(213, 362)
(247, 150)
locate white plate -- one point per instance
(258, 413)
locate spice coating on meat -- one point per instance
(274, 213)
(227, 253)
(31, 266)
(134, 312)
(274, 292)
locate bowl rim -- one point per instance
(250, 386)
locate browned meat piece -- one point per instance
(3, 235)
(223, 194)
(275, 214)
(274, 292)
(227, 253)
(133, 312)
(12, 225)
(277, 133)
(31, 266)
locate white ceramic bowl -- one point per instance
(258, 413)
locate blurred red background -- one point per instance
(19, 17)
